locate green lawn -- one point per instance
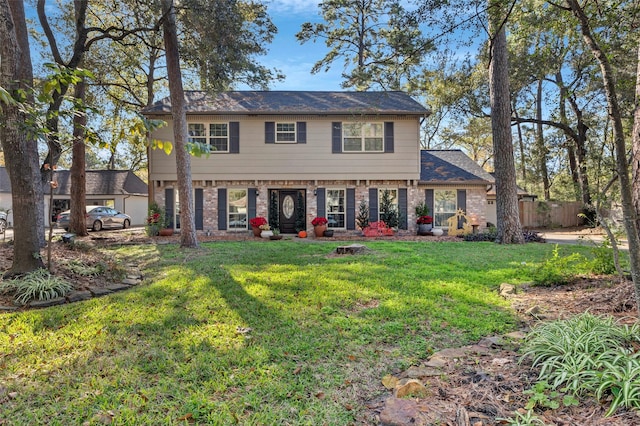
(258, 332)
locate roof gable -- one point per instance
(294, 102)
(451, 166)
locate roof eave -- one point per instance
(454, 182)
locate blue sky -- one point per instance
(293, 59)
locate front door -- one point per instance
(288, 206)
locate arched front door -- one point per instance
(288, 206)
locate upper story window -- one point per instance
(285, 132)
(362, 137)
(215, 134)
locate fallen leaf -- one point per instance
(186, 417)
(320, 395)
(297, 370)
(389, 381)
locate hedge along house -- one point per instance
(293, 156)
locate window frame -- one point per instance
(363, 136)
(294, 132)
(439, 220)
(207, 138)
(237, 215)
(342, 213)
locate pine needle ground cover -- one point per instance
(254, 332)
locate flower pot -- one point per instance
(424, 228)
(319, 230)
(275, 237)
(328, 233)
(256, 231)
(266, 234)
(166, 232)
(437, 232)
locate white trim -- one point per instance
(344, 205)
(295, 132)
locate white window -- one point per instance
(444, 206)
(336, 208)
(362, 137)
(217, 137)
(237, 209)
(285, 132)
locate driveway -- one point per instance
(587, 236)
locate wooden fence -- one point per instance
(550, 214)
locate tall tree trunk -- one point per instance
(540, 146)
(77, 221)
(570, 144)
(508, 216)
(635, 148)
(630, 214)
(188, 237)
(20, 150)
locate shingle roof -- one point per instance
(294, 102)
(451, 166)
(98, 182)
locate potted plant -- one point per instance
(423, 219)
(319, 226)
(156, 222)
(276, 234)
(425, 223)
(265, 231)
(256, 223)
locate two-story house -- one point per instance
(308, 154)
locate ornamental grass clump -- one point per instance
(37, 285)
(588, 355)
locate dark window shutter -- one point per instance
(301, 129)
(322, 202)
(234, 137)
(269, 132)
(199, 208)
(336, 137)
(388, 136)
(251, 205)
(373, 204)
(168, 205)
(222, 209)
(462, 199)
(428, 199)
(402, 208)
(351, 208)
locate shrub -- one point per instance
(558, 270)
(36, 285)
(363, 215)
(587, 355)
(602, 262)
(532, 237)
(488, 234)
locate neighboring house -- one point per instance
(310, 154)
(120, 189)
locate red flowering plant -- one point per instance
(156, 219)
(424, 220)
(318, 221)
(257, 222)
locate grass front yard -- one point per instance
(255, 333)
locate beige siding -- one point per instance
(312, 160)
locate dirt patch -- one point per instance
(482, 383)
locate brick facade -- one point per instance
(475, 199)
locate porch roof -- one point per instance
(451, 166)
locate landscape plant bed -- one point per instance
(267, 333)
